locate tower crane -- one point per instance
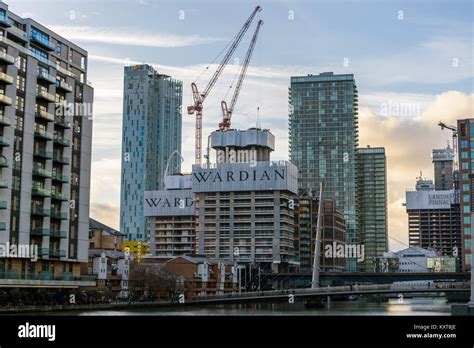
(227, 112)
(454, 130)
(199, 98)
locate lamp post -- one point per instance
(471, 302)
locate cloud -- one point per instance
(129, 37)
(382, 122)
(106, 213)
(408, 142)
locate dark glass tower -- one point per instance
(323, 126)
(371, 205)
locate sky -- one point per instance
(412, 61)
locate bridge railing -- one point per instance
(338, 289)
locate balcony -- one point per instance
(40, 191)
(43, 252)
(6, 78)
(59, 177)
(5, 121)
(3, 184)
(40, 211)
(4, 141)
(61, 141)
(3, 226)
(4, 56)
(5, 21)
(42, 94)
(44, 75)
(58, 234)
(40, 231)
(41, 133)
(39, 171)
(5, 100)
(61, 121)
(18, 33)
(44, 43)
(3, 162)
(57, 253)
(43, 153)
(63, 85)
(61, 159)
(59, 215)
(59, 196)
(3, 204)
(44, 115)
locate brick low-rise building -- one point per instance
(198, 275)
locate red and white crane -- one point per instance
(227, 112)
(199, 98)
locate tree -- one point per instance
(151, 281)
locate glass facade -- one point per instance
(371, 205)
(465, 129)
(151, 132)
(323, 126)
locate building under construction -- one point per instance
(245, 202)
(434, 220)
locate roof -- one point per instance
(200, 259)
(108, 253)
(96, 225)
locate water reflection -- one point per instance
(358, 307)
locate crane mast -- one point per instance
(454, 130)
(199, 98)
(227, 112)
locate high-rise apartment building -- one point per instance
(151, 133)
(465, 131)
(443, 168)
(371, 204)
(45, 144)
(323, 126)
(245, 202)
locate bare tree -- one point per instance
(151, 281)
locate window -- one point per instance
(58, 48)
(20, 103)
(465, 187)
(464, 154)
(39, 54)
(20, 83)
(39, 36)
(464, 144)
(20, 63)
(467, 220)
(467, 259)
(467, 209)
(466, 198)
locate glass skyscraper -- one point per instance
(323, 126)
(371, 205)
(151, 132)
(466, 186)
